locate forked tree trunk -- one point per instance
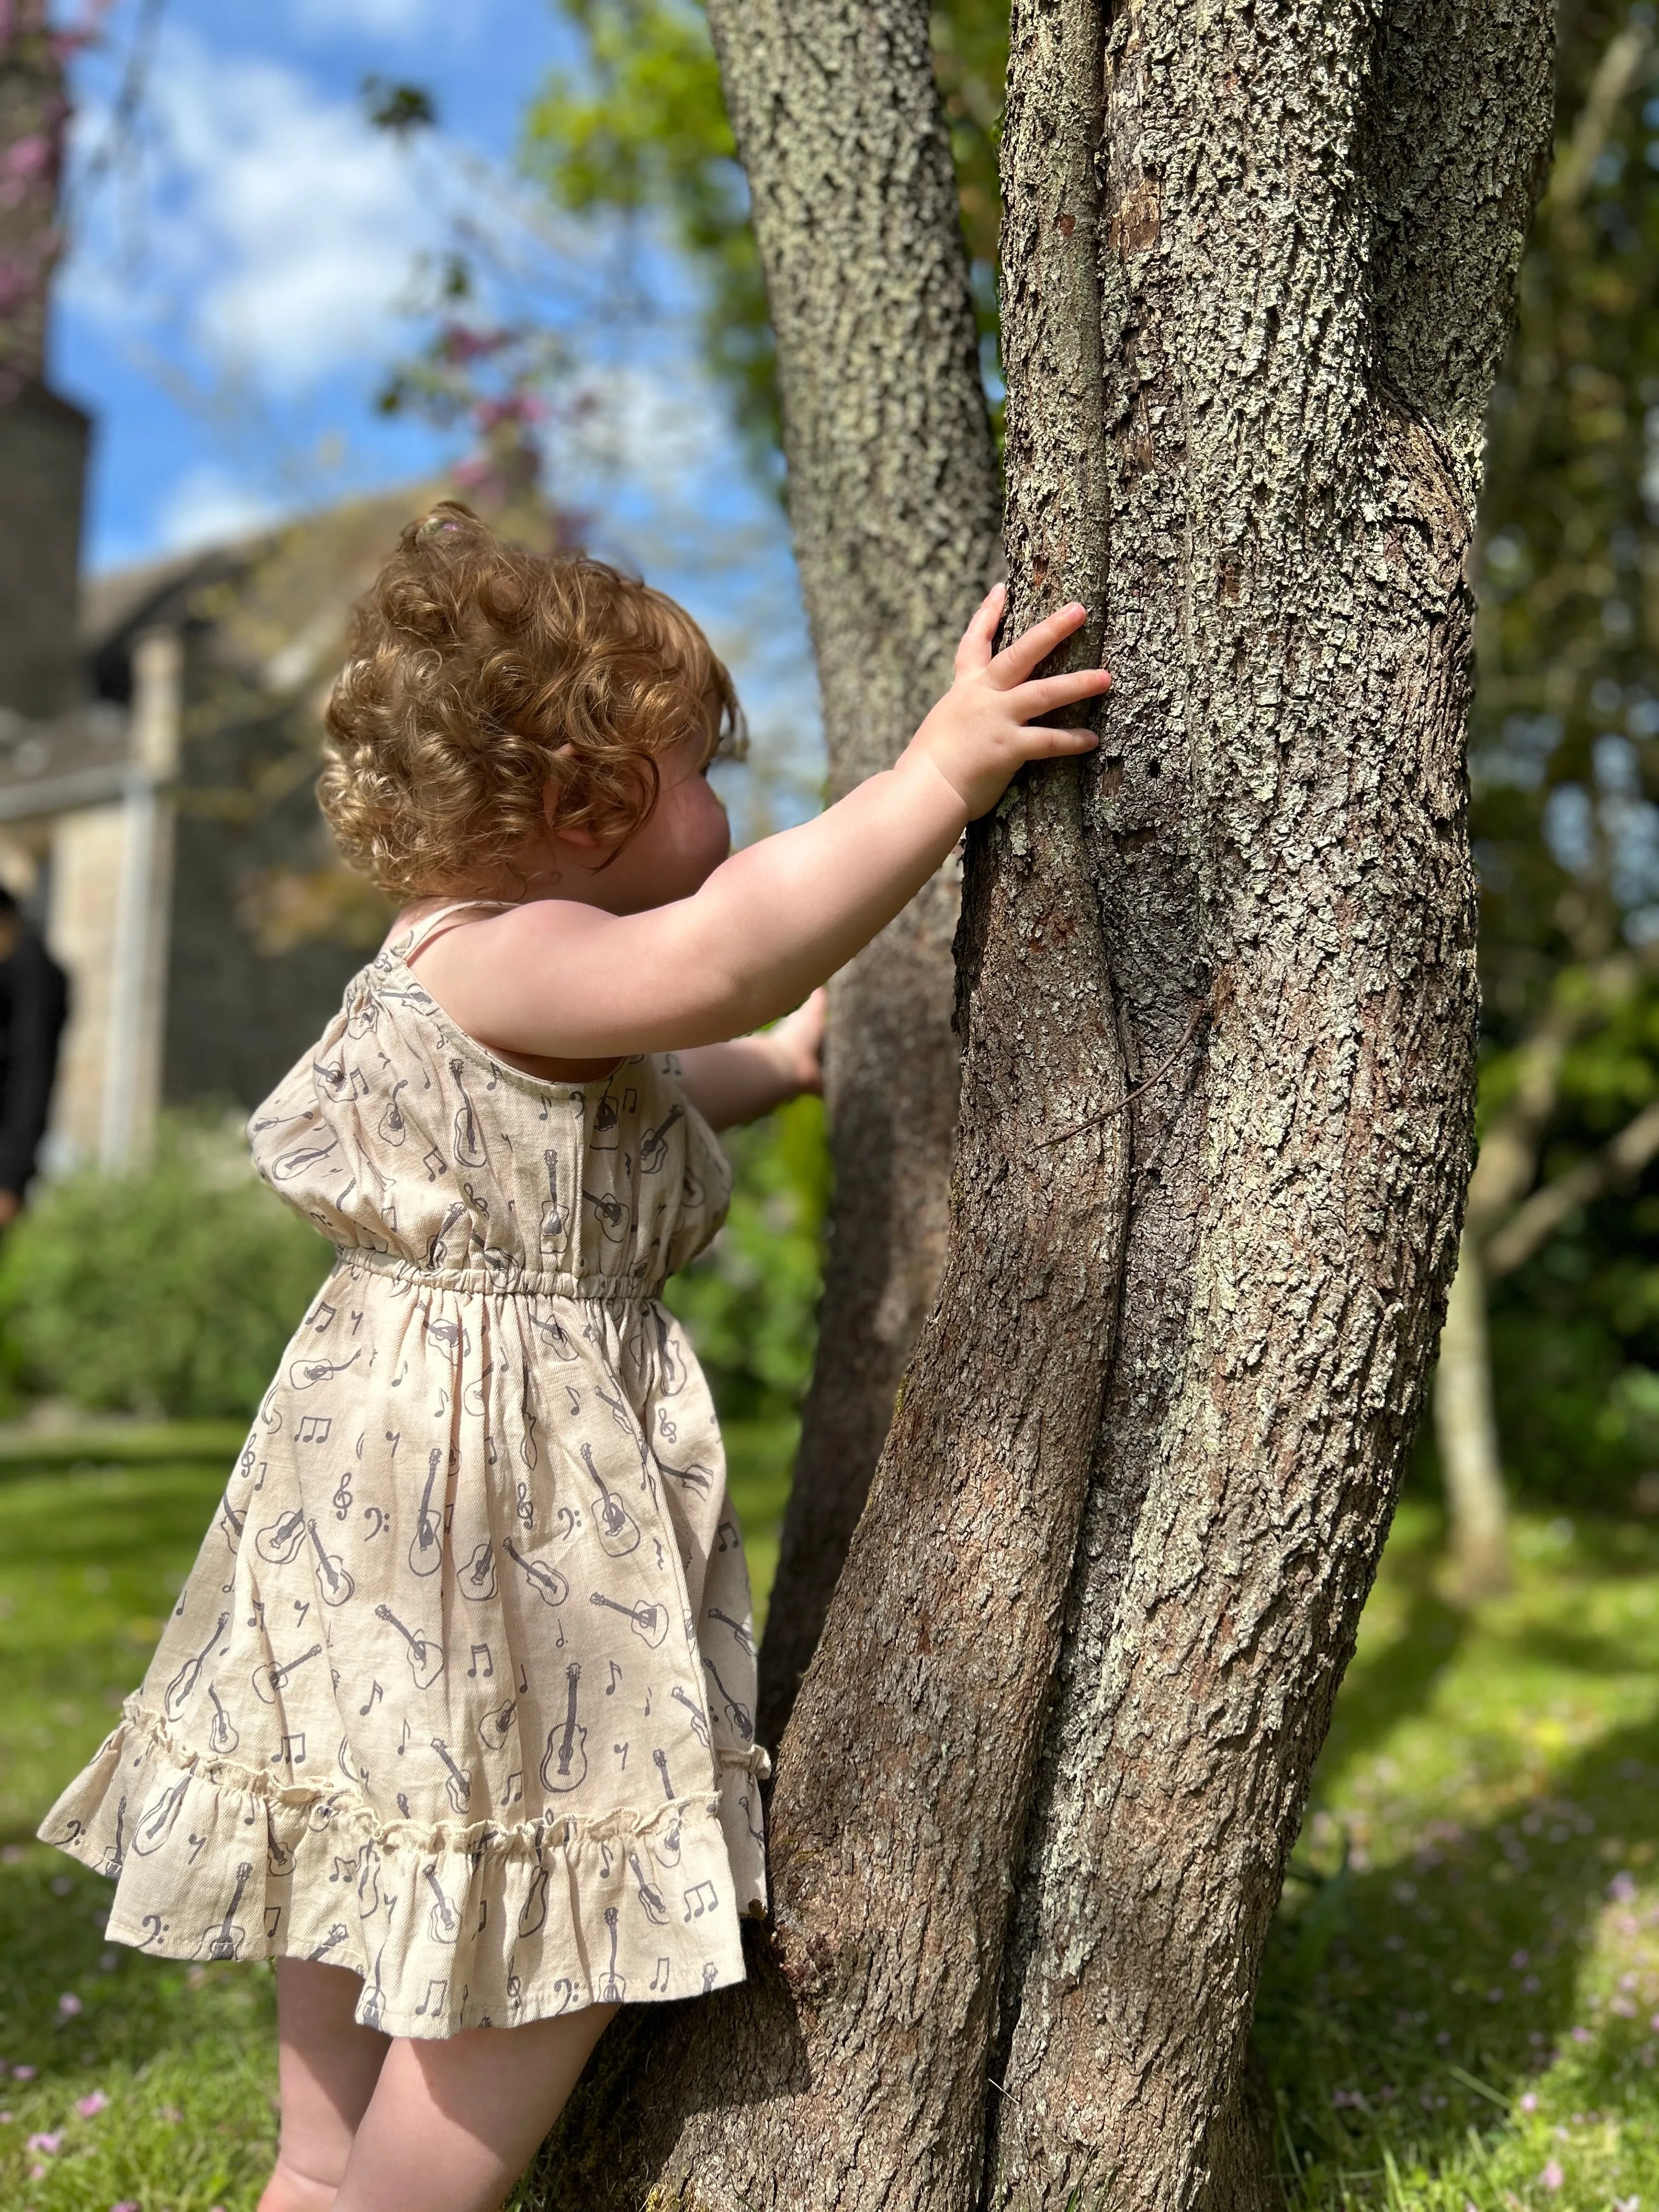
(1312, 219)
(1258, 271)
(894, 506)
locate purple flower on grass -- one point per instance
(68, 2005)
(48, 2146)
(1551, 2177)
(90, 2107)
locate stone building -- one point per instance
(162, 826)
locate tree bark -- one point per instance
(894, 506)
(1312, 219)
(1466, 1432)
(34, 114)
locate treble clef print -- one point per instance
(564, 1764)
(736, 1711)
(341, 1498)
(458, 1785)
(426, 1660)
(469, 1143)
(226, 1941)
(180, 1689)
(619, 1532)
(653, 1145)
(426, 1548)
(279, 1543)
(334, 1584)
(738, 1628)
(648, 1622)
(224, 1735)
(549, 1584)
(269, 1680)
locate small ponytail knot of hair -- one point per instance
(488, 685)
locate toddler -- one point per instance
(454, 1719)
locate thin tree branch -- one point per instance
(1616, 1165)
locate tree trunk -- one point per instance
(1466, 1430)
(1311, 223)
(33, 112)
(894, 502)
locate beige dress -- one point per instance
(460, 1693)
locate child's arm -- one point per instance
(742, 1080)
(557, 978)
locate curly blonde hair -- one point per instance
(480, 675)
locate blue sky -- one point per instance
(238, 287)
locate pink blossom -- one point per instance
(1622, 1888)
(1551, 2177)
(6, 2119)
(22, 2073)
(127, 2204)
(68, 2005)
(1583, 2035)
(90, 2107)
(28, 157)
(48, 2146)
(1529, 2103)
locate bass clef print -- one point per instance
(488, 1454)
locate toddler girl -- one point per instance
(454, 1719)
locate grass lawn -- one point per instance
(1459, 2002)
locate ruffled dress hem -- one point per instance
(476, 1924)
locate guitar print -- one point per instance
(549, 1584)
(477, 1579)
(619, 1533)
(391, 1124)
(269, 1680)
(695, 1477)
(567, 1770)
(305, 1374)
(231, 1523)
(739, 1629)
(443, 1923)
(736, 1711)
(334, 1584)
(458, 1784)
(496, 1727)
(469, 1143)
(331, 1942)
(653, 1145)
(181, 1688)
(659, 1761)
(224, 1735)
(426, 1660)
(278, 1543)
(656, 1910)
(648, 1622)
(155, 1822)
(226, 1941)
(610, 1213)
(290, 1165)
(699, 1725)
(553, 1220)
(425, 1546)
(613, 1988)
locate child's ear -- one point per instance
(577, 833)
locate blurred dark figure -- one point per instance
(34, 1007)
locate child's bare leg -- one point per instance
(453, 2124)
(327, 2067)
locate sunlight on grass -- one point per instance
(1458, 2007)
(151, 2081)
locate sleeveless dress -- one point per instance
(459, 1693)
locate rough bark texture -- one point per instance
(894, 502)
(1311, 219)
(33, 115)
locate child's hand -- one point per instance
(798, 1040)
(979, 733)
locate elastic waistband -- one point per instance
(503, 1276)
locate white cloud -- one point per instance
(207, 505)
(389, 19)
(282, 228)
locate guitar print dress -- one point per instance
(459, 1693)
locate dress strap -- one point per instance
(415, 936)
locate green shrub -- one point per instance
(751, 1301)
(169, 1293)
